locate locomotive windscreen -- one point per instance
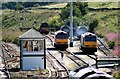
(62, 36)
(91, 39)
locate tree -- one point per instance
(76, 21)
(93, 25)
(19, 6)
(79, 10)
(83, 7)
(54, 21)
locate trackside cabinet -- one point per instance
(32, 50)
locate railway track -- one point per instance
(75, 59)
(9, 55)
(60, 71)
(87, 60)
(103, 48)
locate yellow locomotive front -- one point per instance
(61, 40)
(89, 43)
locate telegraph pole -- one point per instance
(21, 18)
(71, 24)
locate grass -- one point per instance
(61, 5)
(103, 4)
(11, 19)
(108, 21)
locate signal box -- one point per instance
(32, 50)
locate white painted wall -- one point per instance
(30, 63)
(33, 52)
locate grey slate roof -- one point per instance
(32, 34)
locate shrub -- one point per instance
(111, 44)
(116, 74)
(100, 35)
(16, 41)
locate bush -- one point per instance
(111, 44)
(9, 39)
(100, 35)
(16, 41)
(116, 74)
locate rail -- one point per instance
(58, 72)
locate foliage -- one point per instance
(111, 44)
(16, 41)
(12, 5)
(76, 21)
(58, 5)
(65, 13)
(19, 6)
(108, 20)
(103, 4)
(54, 21)
(79, 10)
(116, 74)
(12, 18)
(93, 25)
(100, 35)
(83, 7)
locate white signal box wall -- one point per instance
(32, 50)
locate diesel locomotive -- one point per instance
(61, 40)
(44, 28)
(88, 42)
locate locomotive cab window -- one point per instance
(27, 45)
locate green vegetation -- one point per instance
(60, 5)
(79, 11)
(100, 22)
(103, 4)
(22, 5)
(12, 18)
(116, 74)
(11, 22)
(106, 21)
(111, 44)
(93, 25)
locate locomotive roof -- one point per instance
(96, 73)
(32, 34)
(60, 31)
(87, 34)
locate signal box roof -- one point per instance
(32, 34)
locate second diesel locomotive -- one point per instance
(61, 40)
(88, 43)
(44, 28)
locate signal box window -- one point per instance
(33, 45)
(27, 46)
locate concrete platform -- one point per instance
(1, 64)
(73, 49)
